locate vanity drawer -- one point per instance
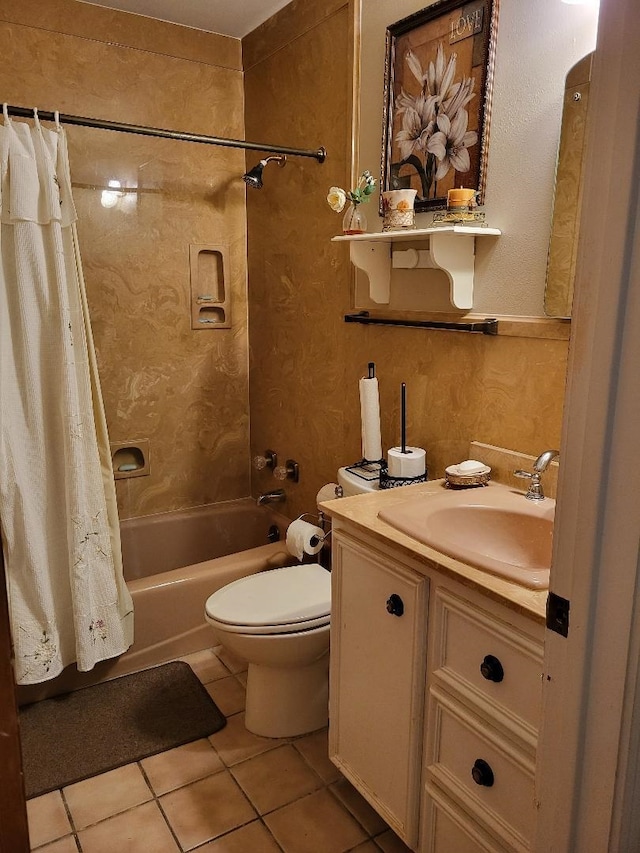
(488, 775)
(446, 828)
(490, 663)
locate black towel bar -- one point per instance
(486, 327)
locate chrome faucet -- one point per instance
(535, 492)
(277, 496)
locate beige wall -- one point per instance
(537, 43)
(305, 361)
(186, 391)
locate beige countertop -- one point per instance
(361, 512)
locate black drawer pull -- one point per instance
(395, 605)
(491, 669)
(482, 773)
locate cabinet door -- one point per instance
(377, 679)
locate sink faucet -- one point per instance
(534, 492)
(274, 497)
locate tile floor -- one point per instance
(233, 792)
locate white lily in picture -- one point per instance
(459, 96)
(450, 143)
(438, 77)
(418, 123)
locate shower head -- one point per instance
(253, 178)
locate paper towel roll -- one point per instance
(327, 493)
(410, 464)
(303, 538)
(370, 417)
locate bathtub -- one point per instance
(172, 563)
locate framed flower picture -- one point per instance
(437, 100)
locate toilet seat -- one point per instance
(279, 601)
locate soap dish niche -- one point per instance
(130, 458)
(210, 297)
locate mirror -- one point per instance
(561, 261)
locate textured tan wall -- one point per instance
(186, 391)
(305, 361)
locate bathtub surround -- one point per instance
(187, 393)
(184, 391)
(68, 601)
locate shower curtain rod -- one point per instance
(25, 112)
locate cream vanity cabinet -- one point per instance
(378, 660)
(434, 713)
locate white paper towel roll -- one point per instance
(327, 493)
(303, 538)
(370, 417)
(410, 464)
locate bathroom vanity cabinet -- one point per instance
(378, 660)
(435, 697)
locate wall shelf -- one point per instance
(451, 248)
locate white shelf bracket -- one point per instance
(374, 259)
(455, 254)
(451, 249)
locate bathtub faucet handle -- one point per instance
(269, 460)
(290, 470)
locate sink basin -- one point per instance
(492, 528)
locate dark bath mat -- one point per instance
(71, 737)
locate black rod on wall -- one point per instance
(318, 154)
(487, 327)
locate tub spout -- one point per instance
(275, 497)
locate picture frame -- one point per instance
(437, 100)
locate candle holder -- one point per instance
(461, 199)
(398, 209)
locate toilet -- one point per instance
(278, 621)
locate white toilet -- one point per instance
(278, 621)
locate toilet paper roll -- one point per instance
(327, 493)
(303, 538)
(410, 464)
(370, 417)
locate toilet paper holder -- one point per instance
(320, 519)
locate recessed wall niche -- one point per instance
(210, 298)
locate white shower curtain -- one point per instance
(67, 597)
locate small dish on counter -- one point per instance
(467, 473)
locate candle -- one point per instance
(459, 197)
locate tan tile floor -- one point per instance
(231, 793)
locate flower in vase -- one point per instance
(337, 197)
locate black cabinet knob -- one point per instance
(491, 669)
(395, 605)
(482, 773)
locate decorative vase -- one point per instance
(354, 221)
(397, 209)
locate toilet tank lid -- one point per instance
(282, 596)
